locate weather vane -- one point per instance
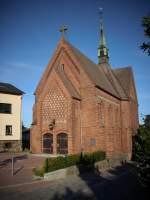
(63, 29)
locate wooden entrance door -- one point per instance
(48, 143)
(62, 143)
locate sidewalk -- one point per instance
(23, 165)
(115, 184)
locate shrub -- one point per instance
(46, 165)
(72, 159)
(141, 151)
(52, 164)
(38, 171)
(26, 150)
(99, 155)
(84, 160)
(91, 158)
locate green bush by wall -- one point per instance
(84, 160)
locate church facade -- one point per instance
(81, 106)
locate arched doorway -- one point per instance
(47, 143)
(62, 143)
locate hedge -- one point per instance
(86, 159)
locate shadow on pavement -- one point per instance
(6, 162)
(18, 170)
(118, 184)
(71, 195)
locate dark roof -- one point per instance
(124, 75)
(67, 83)
(9, 89)
(113, 80)
(95, 74)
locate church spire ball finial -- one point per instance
(102, 49)
(100, 12)
(63, 29)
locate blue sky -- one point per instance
(29, 33)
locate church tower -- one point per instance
(102, 49)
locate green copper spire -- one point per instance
(102, 49)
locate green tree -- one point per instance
(146, 24)
(141, 151)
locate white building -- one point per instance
(10, 117)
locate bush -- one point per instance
(72, 159)
(88, 159)
(38, 171)
(84, 160)
(99, 155)
(141, 151)
(26, 150)
(52, 164)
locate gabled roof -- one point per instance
(124, 75)
(112, 81)
(61, 73)
(9, 89)
(95, 74)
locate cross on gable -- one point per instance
(63, 29)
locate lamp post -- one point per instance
(12, 166)
(52, 124)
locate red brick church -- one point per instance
(83, 106)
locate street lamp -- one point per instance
(52, 124)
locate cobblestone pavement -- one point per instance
(116, 184)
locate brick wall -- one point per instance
(98, 122)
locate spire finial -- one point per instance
(101, 13)
(102, 49)
(63, 29)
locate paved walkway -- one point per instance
(23, 166)
(116, 184)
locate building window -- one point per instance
(101, 114)
(5, 108)
(116, 118)
(110, 117)
(93, 142)
(8, 129)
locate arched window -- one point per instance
(110, 119)
(62, 143)
(101, 114)
(116, 118)
(47, 143)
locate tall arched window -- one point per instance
(62, 143)
(116, 118)
(110, 119)
(101, 114)
(47, 143)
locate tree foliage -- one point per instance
(141, 151)
(146, 24)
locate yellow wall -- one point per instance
(13, 119)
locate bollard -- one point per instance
(12, 166)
